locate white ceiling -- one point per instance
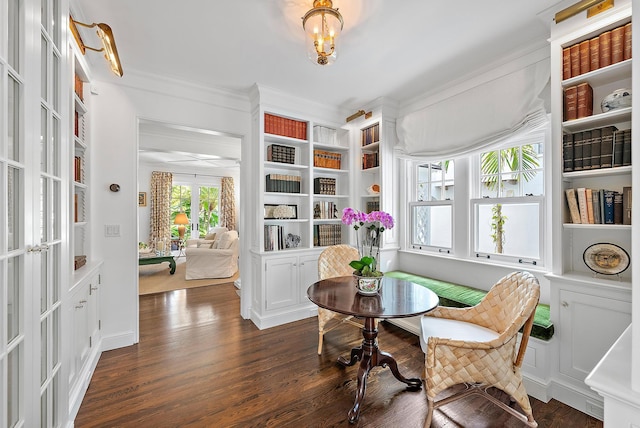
(393, 49)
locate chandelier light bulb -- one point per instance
(323, 24)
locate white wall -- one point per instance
(116, 109)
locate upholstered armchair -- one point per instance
(214, 258)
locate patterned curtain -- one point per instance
(160, 220)
(228, 204)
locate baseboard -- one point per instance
(118, 341)
(586, 400)
(77, 391)
(407, 324)
(282, 317)
(537, 388)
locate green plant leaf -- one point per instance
(357, 265)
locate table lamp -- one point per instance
(181, 220)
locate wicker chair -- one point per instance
(334, 262)
(476, 346)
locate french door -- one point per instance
(201, 203)
(32, 199)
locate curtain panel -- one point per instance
(479, 117)
(160, 212)
(228, 204)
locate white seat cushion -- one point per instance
(453, 329)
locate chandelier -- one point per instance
(323, 24)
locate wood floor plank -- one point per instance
(199, 364)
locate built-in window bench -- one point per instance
(535, 368)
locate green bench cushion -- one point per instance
(461, 296)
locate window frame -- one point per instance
(414, 202)
(468, 177)
(513, 200)
(426, 247)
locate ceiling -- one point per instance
(391, 49)
(200, 150)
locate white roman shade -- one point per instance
(478, 117)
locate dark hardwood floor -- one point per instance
(199, 364)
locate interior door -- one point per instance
(48, 206)
(31, 201)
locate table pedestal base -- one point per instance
(371, 356)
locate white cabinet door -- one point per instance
(281, 287)
(308, 274)
(80, 334)
(589, 325)
(93, 310)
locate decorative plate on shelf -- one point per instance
(607, 259)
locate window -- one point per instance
(432, 213)
(508, 215)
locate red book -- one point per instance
(627, 41)
(584, 100)
(617, 45)
(605, 48)
(566, 64)
(571, 103)
(585, 57)
(575, 60)
(594, 52)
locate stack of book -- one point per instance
(325, 235)
(325, 210)
(370, 160)
(78, 87)
(324, 186)
(371, 135)
(274, 238)
(324, 135)
(77, 169)
(281, 154)
(578, 101)
(79, 261)
(599, 206)
(286, 127)
(373, 206)
(600, 51)
(622, 148)
(597, 148)
(324, 159)
(282, 183)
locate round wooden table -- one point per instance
(397, 299)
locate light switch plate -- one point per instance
(111, 230)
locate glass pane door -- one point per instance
(184, 200)
(180, 204)
(208, 212)
(50, 206)
(14, 309)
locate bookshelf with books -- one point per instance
(590, 180)
(85, 337)
(331, 193)
(79, 166)
(301, 167)
(373, 138)
(285, 183)
(596, 148)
